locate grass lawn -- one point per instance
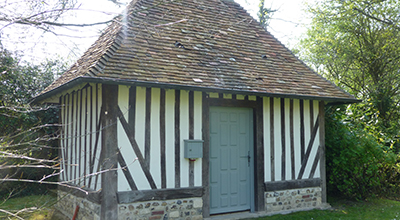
(38, 207)
(342, 209)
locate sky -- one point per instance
(287, 25)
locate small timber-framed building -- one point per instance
(187, 109)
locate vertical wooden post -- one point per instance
(109, 148)
(322, 165)
(259, 156)
(206, 155)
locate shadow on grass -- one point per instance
(347, 209)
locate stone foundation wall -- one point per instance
(293, 199)
(186, 209)
(190, 208)
(87, 210)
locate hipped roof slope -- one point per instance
(204, 44)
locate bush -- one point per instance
(357, 165)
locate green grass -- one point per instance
(378, 209)
(35, 207)
(341, 209)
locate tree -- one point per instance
(27, 134)
(264, 14)
(355, 44)
(48, 28)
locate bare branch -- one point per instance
(56, 167)
(386, 21)
(46, 182)
(10, 213)
(171, 23)
(10, 155)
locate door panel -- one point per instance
(231, 143)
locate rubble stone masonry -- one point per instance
(185, 209)
(293, 200)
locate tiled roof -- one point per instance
(197, 43)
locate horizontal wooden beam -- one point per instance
(93, 196)
(159, 194)
(292, 184)
(231, 103)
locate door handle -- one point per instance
(248, 157)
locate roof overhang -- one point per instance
(128, 82)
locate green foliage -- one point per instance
(355, 44)
(358, 166)
(21, 81)
(21, 126)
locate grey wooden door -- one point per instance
(231, 141)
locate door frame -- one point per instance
(258, 203)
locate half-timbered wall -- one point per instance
(159, 120)
(291, 139)
(80, 139)
(152, 125)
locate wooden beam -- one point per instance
(136, 149)
(283, 140)
(272, 137)
(91, 134)
(177, 139)
(147, 130)
(322, 163)
(132, 109)
(234, 96)
(291, 184)
(100, 119)
(162, 140)
(81, 182)
(109, 149)
(311, 115)
(76, 137)
(96, 144)
(91, 195)
(191, 135)
(302, 135)
(206, 155)
(292, 151)
(232, 103)
(315, 163)
(66, 125)
(126, 171)
(310, 145)
(259, 156)
(159, 194)
(61, 140)
(86, 153)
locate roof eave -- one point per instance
(88, 79)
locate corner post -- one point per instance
(206, 156)
(322, 164)
(109, 147)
